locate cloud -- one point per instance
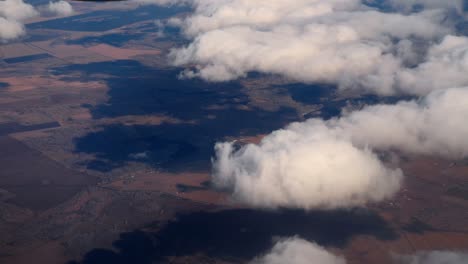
(10, 29)
(332, 164)
(60, 8)
(298, 251)
(445, 65)
(295, 250)
(160, 25)
(410, 5)
(163, 2)
(342, 42)
(16, 10)
(12, 14)
(433, 125)
(295, 170)
(434, 257)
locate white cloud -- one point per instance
(304, 167)
(60, 8)
(445, 65)
(434, 125)
(10, 29)
(434, 257)
(331, 164)
(298, 251)
(16, 10)
(342, 42)
(12, 14)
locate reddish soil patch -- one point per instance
(171, 183)
(36, 181)
(120, 53)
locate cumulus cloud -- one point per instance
(434, 257)
(446, 65)
(435, 124)
(332, 164)
(10, 29)
(16, 10)
(60, 8)
(298, 251)
(12, 14)
(342, 42)
(294, 169)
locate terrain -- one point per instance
(106, 155)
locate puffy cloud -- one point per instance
(446, 65)
(295, 250)
(434, 257)
(343, 42)
(303, 168)
(16, 10)
(298, 251)
(60, 8)
(332, 164)
(435, 124)
(12, 13)
(10, 29)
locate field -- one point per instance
(106, 155)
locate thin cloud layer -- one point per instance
(163, 2)
(342, 42)
(12, 14)
(411, 5)
(332, 164)
(298, 251)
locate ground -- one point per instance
(106, 155)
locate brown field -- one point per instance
(92, 218)
(18, 50)
(422, 214)
(168, 183)
(37, 182)
(120, 53)
(70, 53)
(36, 82)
